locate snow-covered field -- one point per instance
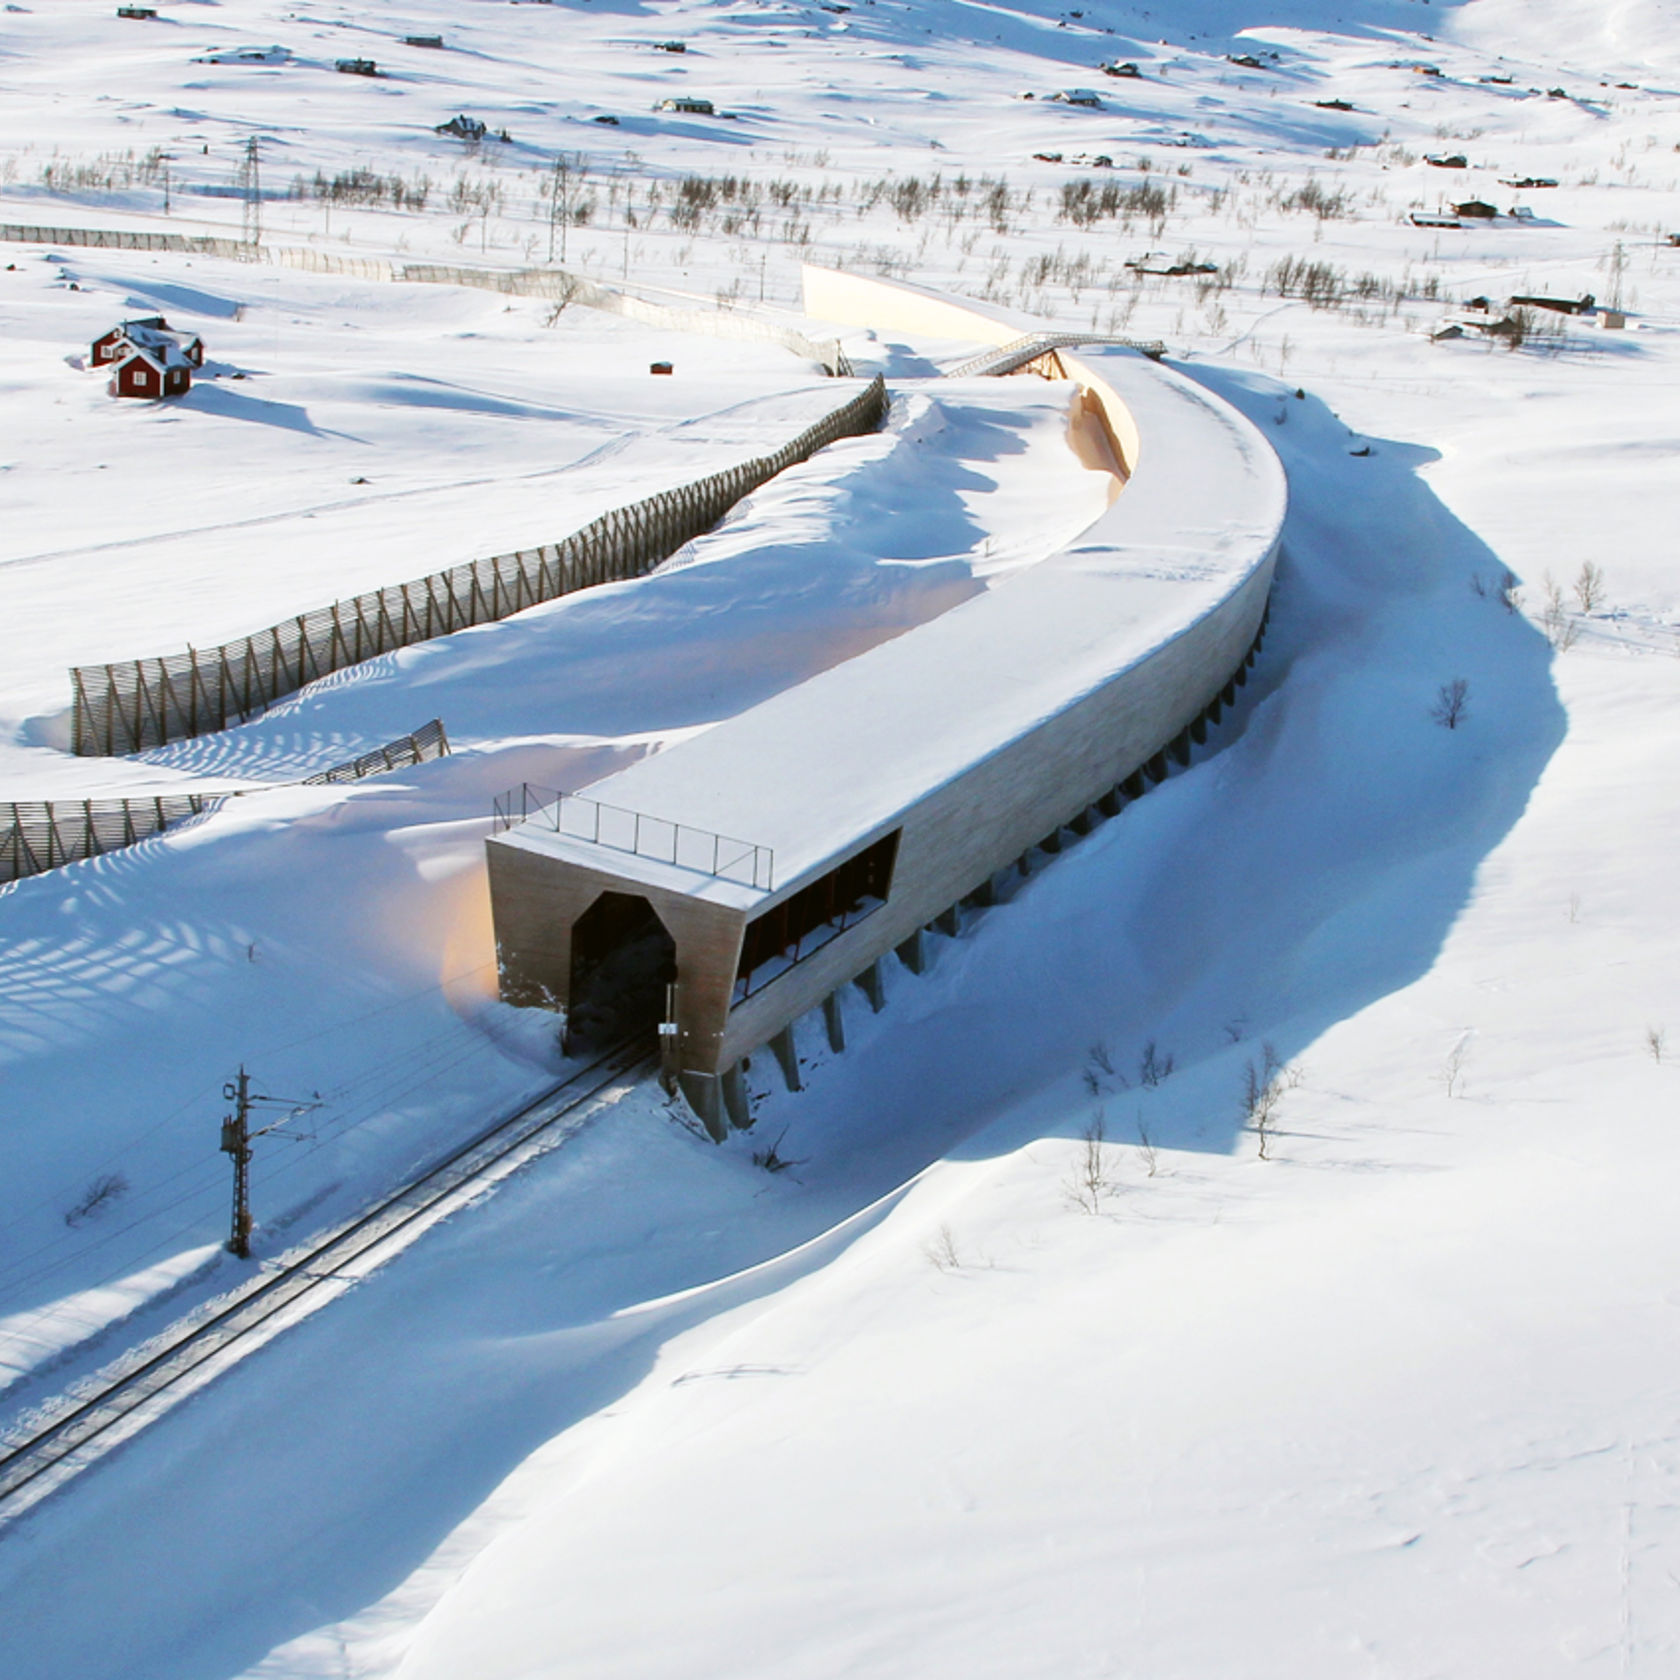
(1397, 1397)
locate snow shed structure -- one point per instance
(873, 798)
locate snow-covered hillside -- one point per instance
(969, 1388)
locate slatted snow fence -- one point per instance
(41, 835)
(135, 704)
(37, 835)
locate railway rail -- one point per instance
(66, 1436)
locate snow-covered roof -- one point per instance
(158, 349)
(827, 765)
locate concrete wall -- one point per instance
(963, 833)
(956, 836)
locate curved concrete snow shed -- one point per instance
(875, 796)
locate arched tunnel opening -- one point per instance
(622, 961)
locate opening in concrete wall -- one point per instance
(622, 960)
(805, 922)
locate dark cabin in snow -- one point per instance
(152, 373)
(1475, 209)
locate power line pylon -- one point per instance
(250, 182)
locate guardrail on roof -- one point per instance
(1018, 352)
(578, 817)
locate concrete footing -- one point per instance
(787, 1056)
(869, 983)
(1111, 802)
(733, 1085)
(948, 921)
(913, 953)
(702, 1094)
(835, 1022)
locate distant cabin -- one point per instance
(1125, 69)
(356, 67)
(463, 128)
(147, 332)
(422, 40)
(692, 107)
(137, 11)
(1078, 96)
(152, 373)
(1476, 210)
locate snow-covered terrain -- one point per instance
(1390, 1388)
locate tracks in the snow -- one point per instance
(66, 1436)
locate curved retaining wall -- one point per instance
(1049, 700)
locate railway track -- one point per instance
(66, 1436)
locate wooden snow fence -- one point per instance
(129, 706)
(37, 835)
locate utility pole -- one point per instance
(236, 1141)
(250, 178)
(237, 1138)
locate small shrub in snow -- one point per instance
(942, 1251)
(1561, 630)
(1589, 587)
(1263, 1088)
(1147, 1145)
(771, 1159)
(1090, 1183)
(99, 1195)
(1452, 1074)
(1655, 1039)
(1452, 702)
(1154, 1065)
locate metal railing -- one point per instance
(1016, 354)
(578, 817)
(38, 835)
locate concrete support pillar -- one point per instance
(1023, 864)
(1198, 730)
(1081, 825)
(1111, 802)
(869, 982)
(734, 1088)
(835, 1022)
(701, 1090)
(1216, 707)
(1133, 787)
(1052, 842)
(787, 1056)
(1241, 675)
(1179, 746)
(1229, 692)
(913, 954)
(948, 921)
(984, 896)
(1156, 768)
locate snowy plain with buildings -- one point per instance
(1398, 1399)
